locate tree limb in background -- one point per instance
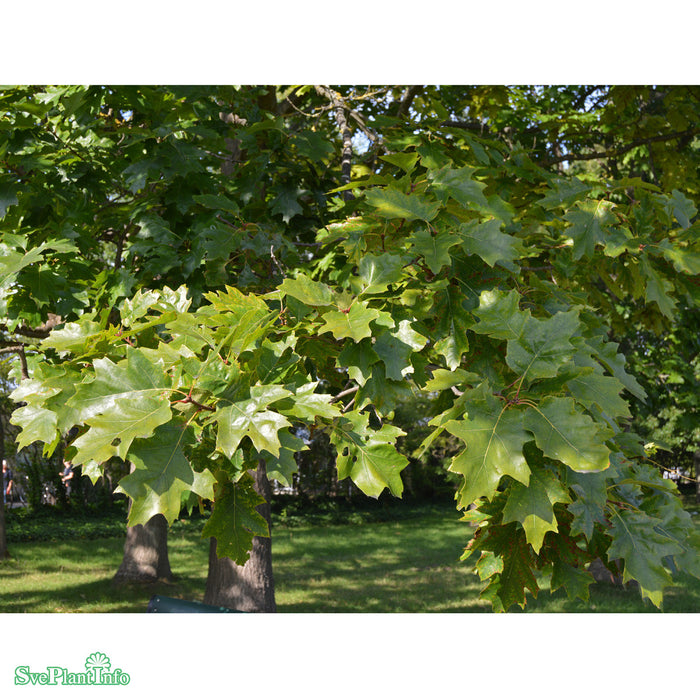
(411, 93)
(19, 350)
(346, 159)
(40, 332)
(616, 152)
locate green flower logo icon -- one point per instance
(97, 660)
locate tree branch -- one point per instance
(19, 350)
(345, 133)
(408, 97)
(346, 392)
(472, 125)
(616, 152)
(38, 332)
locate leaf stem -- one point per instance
(200, 406)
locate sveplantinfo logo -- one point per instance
(98, 671)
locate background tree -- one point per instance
(241, 292)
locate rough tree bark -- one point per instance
(696, 464)
(251, 587)
(146, 553)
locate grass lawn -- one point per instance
(400, 565)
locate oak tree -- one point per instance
(189, 274)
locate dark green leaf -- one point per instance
(162, 474)
(235, 520)
(532, 505)
(566, 433)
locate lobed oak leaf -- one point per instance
(234, 521)
(565, 433)
(494, 437)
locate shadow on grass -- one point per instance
(402, 566)
(48, 577)
(407, 566)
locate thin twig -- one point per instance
(19, 350)
(200, 406)
(276, 261)
(346, 392)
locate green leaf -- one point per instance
(636, 540)
(8, 197)
(543, 345)
(591, 497)
(395, 348)
(614, 362)
(452, 323)
(444, 379)
(507, 588)
(589, 386)
(312, 145)
(307, 404)
(684, 259)
(657, 289)
(33, 391)
(235, 520)
(134, 379)
(250, 418)
(369, 457)
(393, 204)
(458, 184)
(386, 395)
(452, 347)
(499, 315)
(683, 208)
(37, 423)
(75, 336)
(217, 202)
(162, 474)
(533, 505)
(574, 580)
(12, 262)
(283, 467)
(286, 202)
(488, 565)
(587, 226)
(405, 161)
(494, 438)
(112, 431)
(486, 240)
(307, 291)
(358, 358)
(352, 323)
(50, 388)
(679, 526)
(564, 193)
(377, 272)
(434, 248)
(564, 433)
(232, 300)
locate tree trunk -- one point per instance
(696, 464)
(146, 553)
(250, 588)
(4, 552)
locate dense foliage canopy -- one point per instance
(189, 274)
